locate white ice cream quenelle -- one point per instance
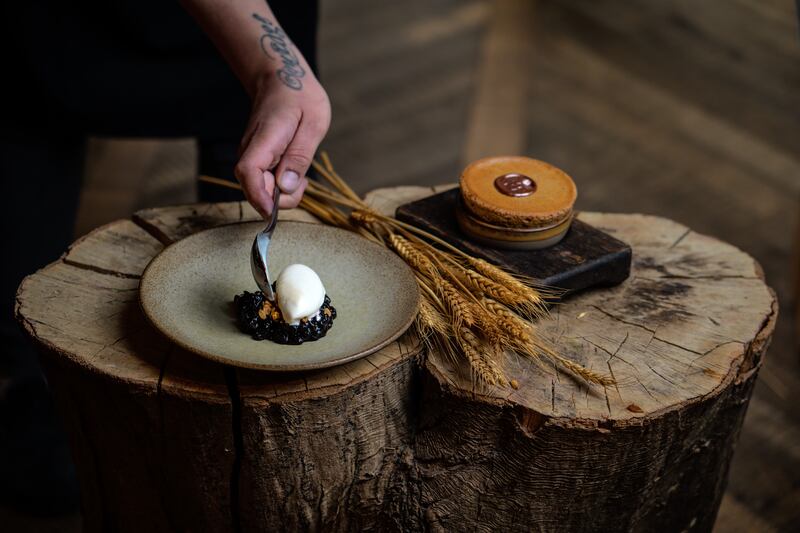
(300, 293)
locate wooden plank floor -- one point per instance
(678, 108)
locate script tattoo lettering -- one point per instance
(276, 41)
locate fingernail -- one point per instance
(289, 181)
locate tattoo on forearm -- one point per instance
(275, 40)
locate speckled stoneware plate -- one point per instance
(187, 293)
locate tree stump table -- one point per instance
(166, 441)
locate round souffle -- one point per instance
(517, 192)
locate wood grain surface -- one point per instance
(165, 440)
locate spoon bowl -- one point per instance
(260, 249)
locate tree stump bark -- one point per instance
(166, 441)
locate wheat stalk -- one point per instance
(430, 319)
(582, 372)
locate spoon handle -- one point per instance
(260, 250)
(273, 216)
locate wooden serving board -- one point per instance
(586, 257)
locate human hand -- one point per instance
(285, 129)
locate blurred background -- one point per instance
(684, 109)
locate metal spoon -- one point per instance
(258, 253)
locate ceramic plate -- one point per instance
(187, 293)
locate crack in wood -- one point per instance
(232, 381)
(700, 356)
(761, 339)
(151, 229)
(84, 285)
(660, 339)
(585, 339)
(611, 370)
(644, 387)
(634, 324)
(678, 345)
(680, 239)
(99, 269)
(627, 336)
(659, 374)
(33, 321)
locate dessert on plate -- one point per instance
(302, 311)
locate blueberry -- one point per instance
(247, 307)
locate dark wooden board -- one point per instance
(586, 257)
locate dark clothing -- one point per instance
(129, 68)
(126, 68)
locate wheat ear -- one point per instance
(416, 259)
(430, 319)
(484, 368)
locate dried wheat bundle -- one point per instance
(472, 312)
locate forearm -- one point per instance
(252, 41)
(291, 111)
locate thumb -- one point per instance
(259, 157)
